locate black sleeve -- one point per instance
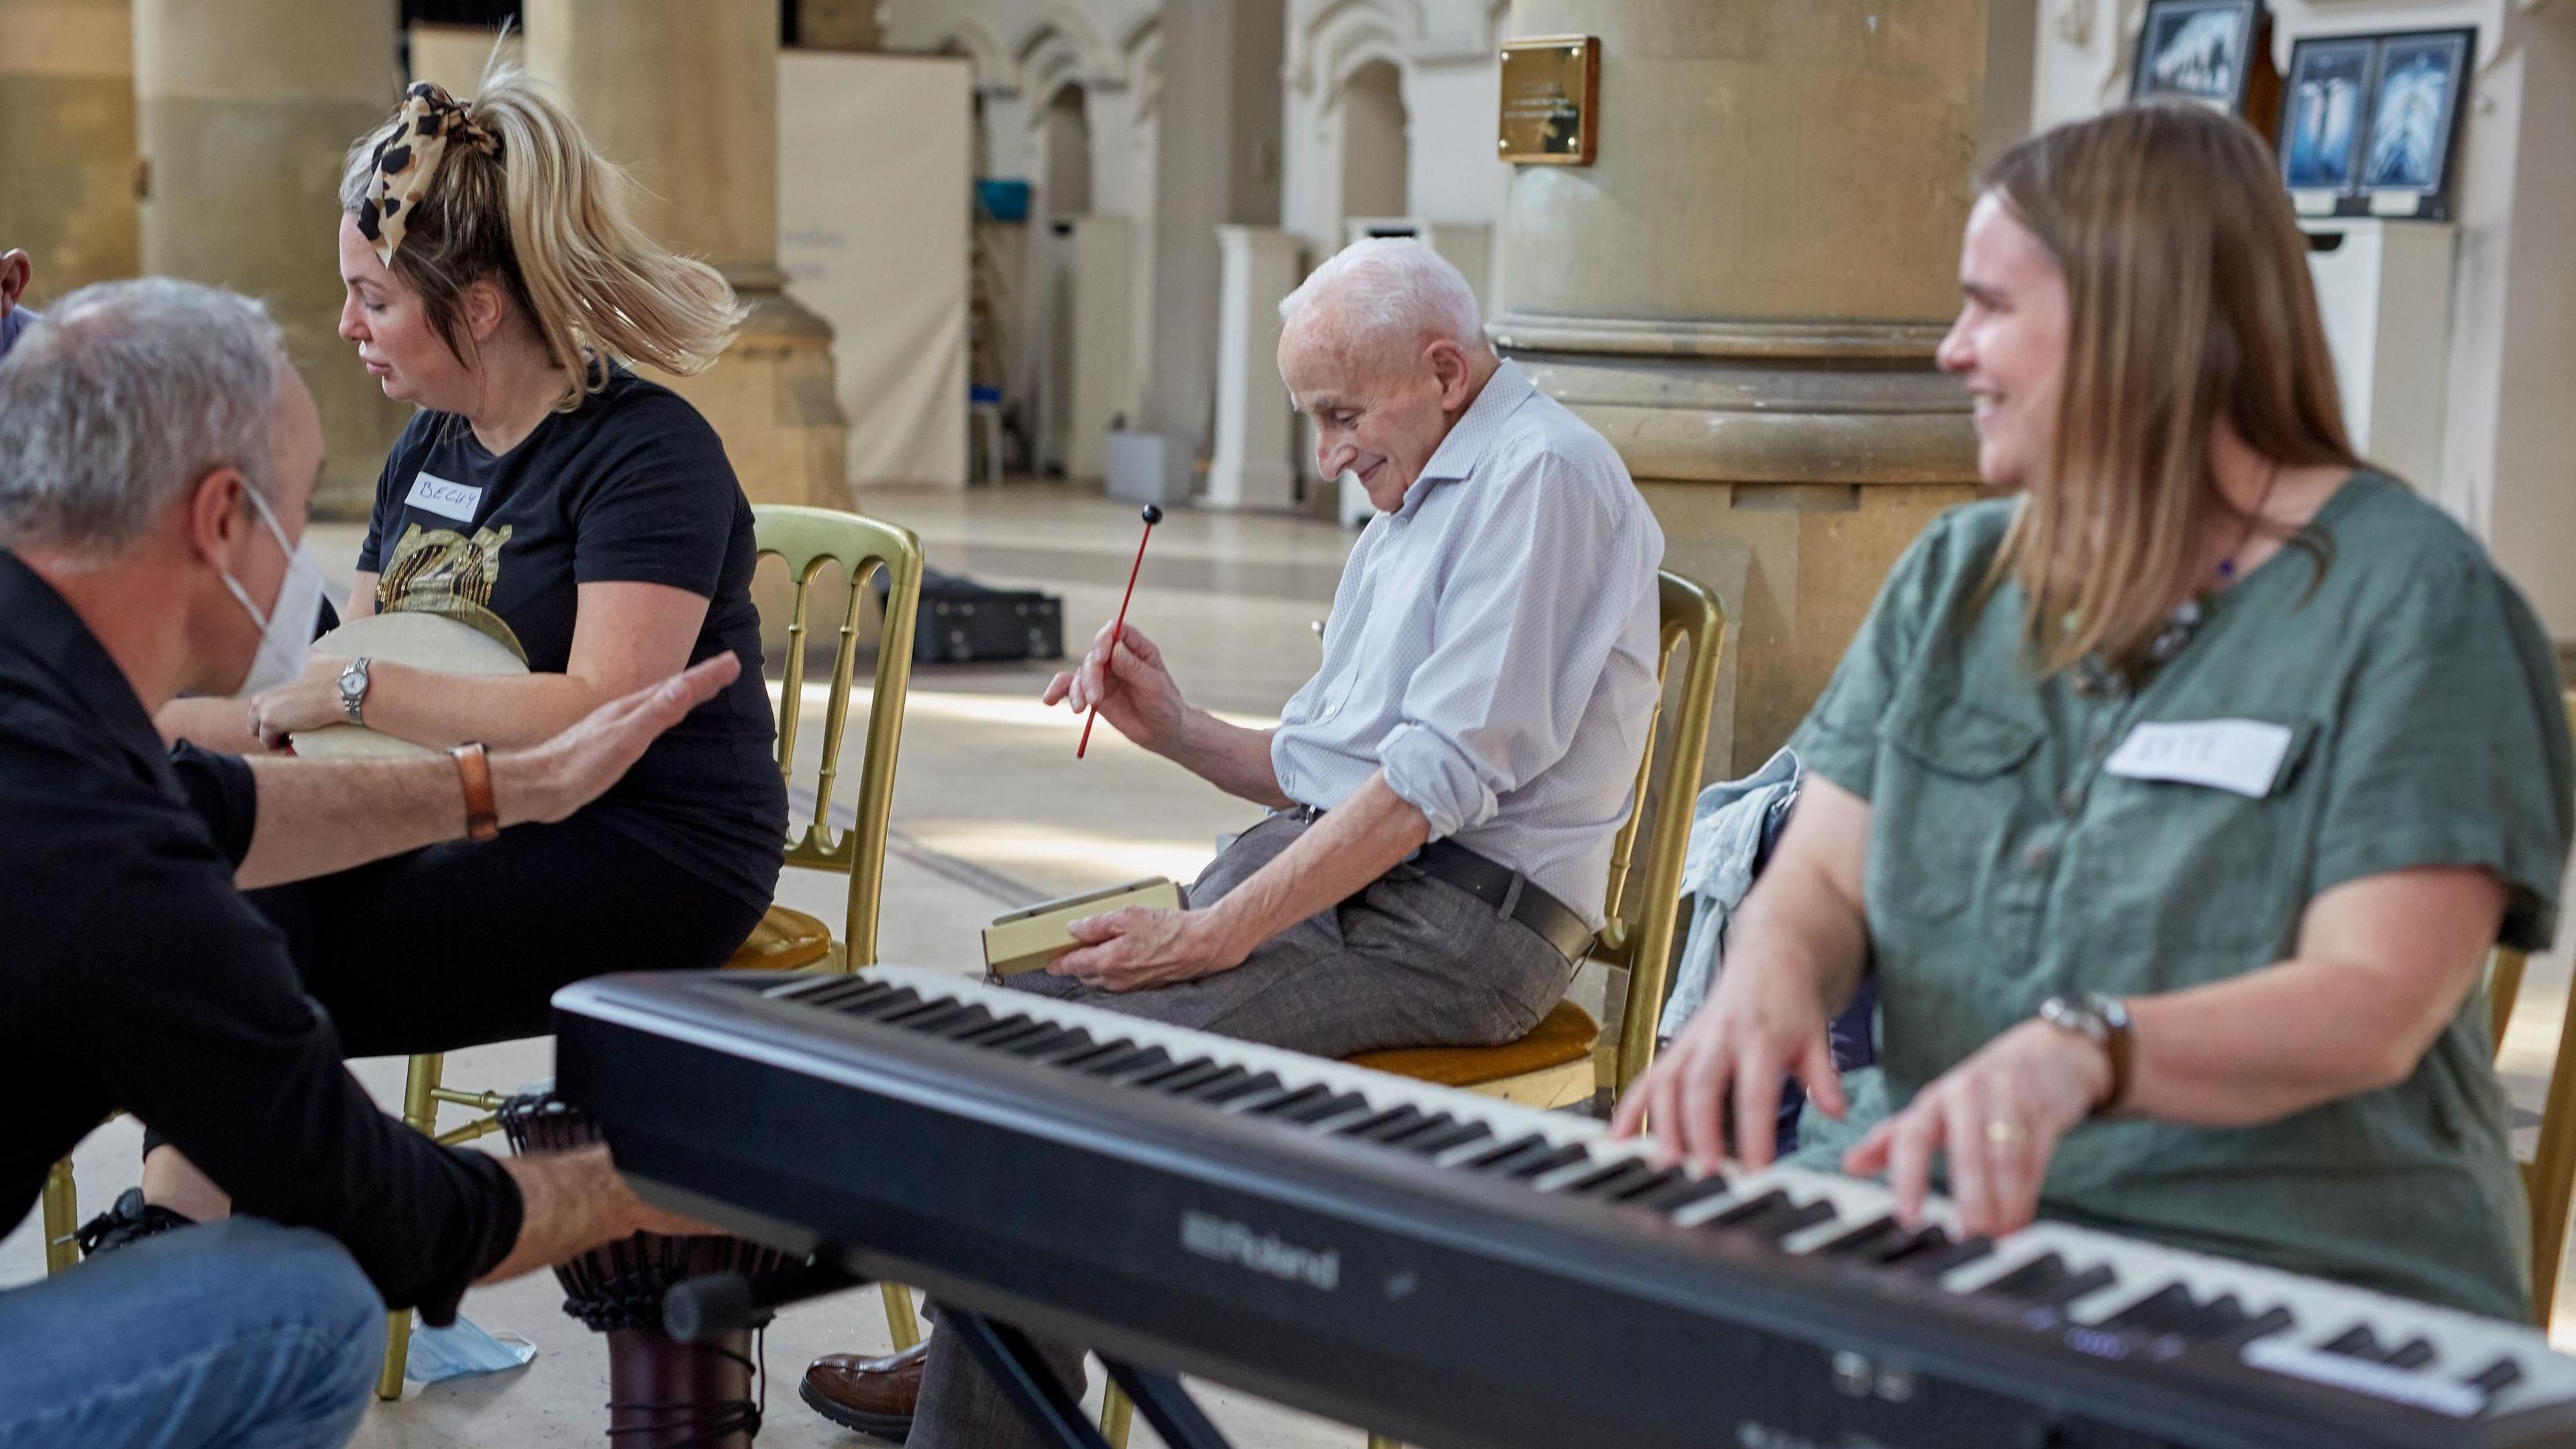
(221, 791)
(196, 1023)
(660, 509)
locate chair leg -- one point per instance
(420, 1113)
(1117, 1412)
(62, 1217)
(901, 1323)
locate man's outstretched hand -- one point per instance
(547, 782)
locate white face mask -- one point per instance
(286, 628)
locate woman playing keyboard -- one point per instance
(2177, 797)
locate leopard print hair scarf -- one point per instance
(406, 159)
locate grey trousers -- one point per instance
(1410, 961)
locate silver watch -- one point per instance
(353, 690)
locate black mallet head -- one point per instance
(1153, 515)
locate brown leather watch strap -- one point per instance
(474, 770)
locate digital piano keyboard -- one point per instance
(1458, 1271)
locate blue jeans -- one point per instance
(241, 1334)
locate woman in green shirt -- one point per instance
(2175, 799)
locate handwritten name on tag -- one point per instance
(2239, 755)
(447, 500)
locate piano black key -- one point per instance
(850, 997)
(1674, 1196)
(958, 1028)
(1007, 1031)
(2159, 1312)
(2214, 1320)
(1287, 1100)
(2046, 1282)
(1332, 1104)
(1501, 1157)
(1394, 1133)
(1613, 1180)
(1869, 1237)
(1048, 1035)
(922, 1009)
(1228, 1084)
(2356, 1342)
(1749, 1209)
(1181, 1078)
(1936, 1254)
(2272, 1321)
(1781, 1223)
(1392, 1119)
(1057, 1049)
(1548, 1162)
(877, 1000)
(1653, 1181)
(2503, 1373)
(1433, 1143)
(1128, 1063)
(2414, 1353)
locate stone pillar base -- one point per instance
(1788, 464)
(772, 401)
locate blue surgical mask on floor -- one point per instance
(462, 1350)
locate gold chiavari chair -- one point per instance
(2549, 1178)
(1565, 1058)
(806, 540)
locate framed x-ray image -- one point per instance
(2323, 106)
(2414, 122)
(2196, 50)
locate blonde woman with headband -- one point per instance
(2176, 799)
(586, 517)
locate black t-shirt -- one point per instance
(136, 977)
(631, 487)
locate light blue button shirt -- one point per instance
(1492, 648)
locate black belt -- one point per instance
(1497, 885)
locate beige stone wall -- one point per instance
(67, 77)
(246, 109)
(1743, 294)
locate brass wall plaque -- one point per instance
(1551, 98)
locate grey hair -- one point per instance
(125, 395)
(1391, 290)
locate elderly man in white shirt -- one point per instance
(1444, 791)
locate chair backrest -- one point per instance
(806, 539)
(2549, 1178)
(1643, 907)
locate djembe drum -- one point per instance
(662, 1394)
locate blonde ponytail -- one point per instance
(545, 216)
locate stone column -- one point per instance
(685, 94)
(67, 76)
(245, 109)
(1744, 293)
(1255, 430)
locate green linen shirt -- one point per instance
(2006, 866)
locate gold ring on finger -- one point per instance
(2006, 1134)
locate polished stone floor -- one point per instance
(991, 810)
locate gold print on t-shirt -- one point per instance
(441, 571)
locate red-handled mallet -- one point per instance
(1153, 515)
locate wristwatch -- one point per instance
(353, 690)
(2103, 1021)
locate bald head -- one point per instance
(1383, 349)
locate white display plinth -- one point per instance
(2384, 290)
(1254, 433)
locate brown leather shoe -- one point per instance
(872, 1395)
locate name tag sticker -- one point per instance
(2242, 756)
(447, 500)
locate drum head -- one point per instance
(420, 640)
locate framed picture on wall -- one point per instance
(2414, 121)
(2323, 103)
(2197, 50)
(2370, 123)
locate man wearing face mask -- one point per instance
(156, 455)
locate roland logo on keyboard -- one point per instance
(1228, 1241)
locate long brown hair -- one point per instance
(2188, 299)
(544, 215)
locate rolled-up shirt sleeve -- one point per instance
(1520, 639)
